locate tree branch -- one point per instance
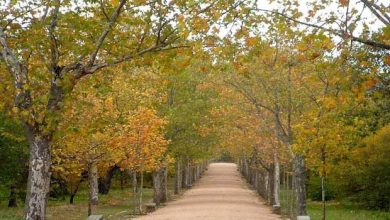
(249, 97)
(19, 73)
(156, 48)
(339, 33)
(376, 12)
(103, 36)
(53, 41)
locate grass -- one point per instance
(118, 204)
(338, 211)
(334, 210)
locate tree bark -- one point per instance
(246, 171)
(255, 178)
(178, 177)
(165, 185)
(74, 192)
(323, 176)
(93, 186)
(12, 202)
(271, 198)
(266, 184)
(71, 198)
(38, 184)
(194, 173)
(300, 184)
(186, 174)
(198, 171)
(190, 175)
(140, 191)
(159, 186)
(122, 180)
(323, 197)
(134, 182)
(105, 182)
(276, 179)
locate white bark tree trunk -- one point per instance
(276, 179)
(178, 177)
(134, 182)
(140, 191)
(38, 184)
(93, 186)
(300, 184)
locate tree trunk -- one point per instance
(186, 174)
(38, 183)
(12, 202)
(122, 180)
(246, 171)
(255, 178)
(263, 185)
(323, 197)
(105, 182)
(190, 175)
(266, 183)
(198, 170)
(276, 180)
(140, 191)
(134, 189)
(134, 182)
(165, 185)
(194, 174)
(300, 184)
(241, 166)
(323, 176)
(74, 192)
(158, 188)
(178, 177)
(71, 198)
(271, 198)
(93, 186)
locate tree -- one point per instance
(370, 165)
(141, 143)
(82, 143)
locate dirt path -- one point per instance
(221, 193)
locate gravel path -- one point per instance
(221, 193)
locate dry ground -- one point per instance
(220, 194)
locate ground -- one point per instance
(220, 194)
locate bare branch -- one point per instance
(156, 48)
(104, 10)
(339, 33)
(19, 72)
(249, 97)
(384, 18)
(53, 41)
(103, 36)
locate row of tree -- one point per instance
(146, 119)
(300, 101)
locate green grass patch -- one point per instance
(338, 211)
(118, 204)
(334, 210)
